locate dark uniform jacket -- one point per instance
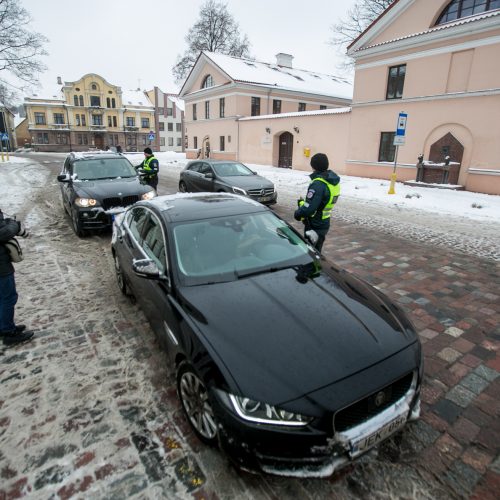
(8, 229)
(150, 166)
(317, 198)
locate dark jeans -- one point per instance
(8, 300)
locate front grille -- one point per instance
(260, 192)
(367, 408)
(108, 203)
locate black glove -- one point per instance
(297, 216)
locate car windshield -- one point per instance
(231, 169)
(103, 168)
(235, 247)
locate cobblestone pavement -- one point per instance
(88, 408)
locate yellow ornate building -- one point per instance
(90, 113)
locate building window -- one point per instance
(109, 121)
(40, 119)
(75, 100)
(170, 141)
(222, 106)
(95, 100)
(195, 142)
(322, 106)
(79, 139)
(208, 81)
(145, 122)
(43, 138)
(178, 127)
(255, 106)
(228, 138)
(170, 112)
(94, 86)
(302, 106)
(222, 143)
(84, 123)
(115, 121)
(144, 140)
(113, 102)
(207, 110)
(59, 118)
(463, 8)
(161, 126)
(81, 100)
(162, 141)
(61, 138)
(97, 120)
(179, 142)
(276, 106)
(194, 112)
(108, 102)
(77, 120)
(170, 127)
(395, 81)
(387, 149)
(130, 121)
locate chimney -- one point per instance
(284, 60)
(59, 80)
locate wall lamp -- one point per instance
(268, 130)
(296, 129)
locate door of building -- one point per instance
(99, 141)
(448, 145)
(286, 150)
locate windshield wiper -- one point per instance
(266, 270)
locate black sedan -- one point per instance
(293, 365)
(226, 176)
(96, 185)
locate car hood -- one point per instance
(248, 181)
(282, 337)
(108, 188)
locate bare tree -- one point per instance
(358, 19)
(20, 48)
(215, 31)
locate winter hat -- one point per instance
(319, 162)
(148, 151)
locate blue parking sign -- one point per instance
(401, 126)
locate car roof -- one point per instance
(214, 162)
(92, 155)
(182, 207)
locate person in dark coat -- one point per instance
(149, 168)
(322, 194)
(10, 333)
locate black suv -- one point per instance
(95, 186)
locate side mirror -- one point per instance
(63, 178)
(146, 268)
(254, 173)
(210, 175)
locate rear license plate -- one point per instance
(365, 443)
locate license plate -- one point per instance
(265, 198)
(367, 442)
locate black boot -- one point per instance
(15, 337)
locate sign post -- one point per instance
(399, 140)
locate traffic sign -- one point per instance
(5, 136)
(401, 125)
(399, 140)
(151, 136)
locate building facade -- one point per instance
(8, 140)
(438, 62)
(169, 120)
(90, 113)
(221, 91)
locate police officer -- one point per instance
(149, 168)
(322, 194)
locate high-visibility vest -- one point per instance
(334, 194)
(146, 166)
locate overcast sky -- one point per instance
(132, 43)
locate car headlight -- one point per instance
(85, 202)
(149, 195)
(255, 411)
(239, 191)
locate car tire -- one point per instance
(120, 279)
(183, 187)
(77, 225)
(195, 401)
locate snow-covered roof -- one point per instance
(330, 111)
(53, 92)
(440, 27)
(178, 102)
(135, 98)
(18, 119)
(280, 77)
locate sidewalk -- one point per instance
(88, 409)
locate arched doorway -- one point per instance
(205, 148)
(285, 150)
(448, 145)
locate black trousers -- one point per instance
(152, 181)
